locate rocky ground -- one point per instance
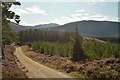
(10, 68)
(104, 68)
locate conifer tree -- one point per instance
(78, 53)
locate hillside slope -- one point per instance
(86, 28)
(15, 27)
(92, 28)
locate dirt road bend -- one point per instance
(35, 69)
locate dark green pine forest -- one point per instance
(67, 44)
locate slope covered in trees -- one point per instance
(44, 35)
(104, 30)
(83, 59)
(87, 28)
(63, 44)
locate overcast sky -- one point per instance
(38, 12)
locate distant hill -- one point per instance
(46, 25)
(86, 28)
(15, 27)
(92, 28)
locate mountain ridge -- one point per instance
(89, 28)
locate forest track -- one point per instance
(35, 69)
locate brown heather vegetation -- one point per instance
(104, 68)
(10, 68)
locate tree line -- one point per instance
(54, 42)
(43, 35)
(68, 45)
